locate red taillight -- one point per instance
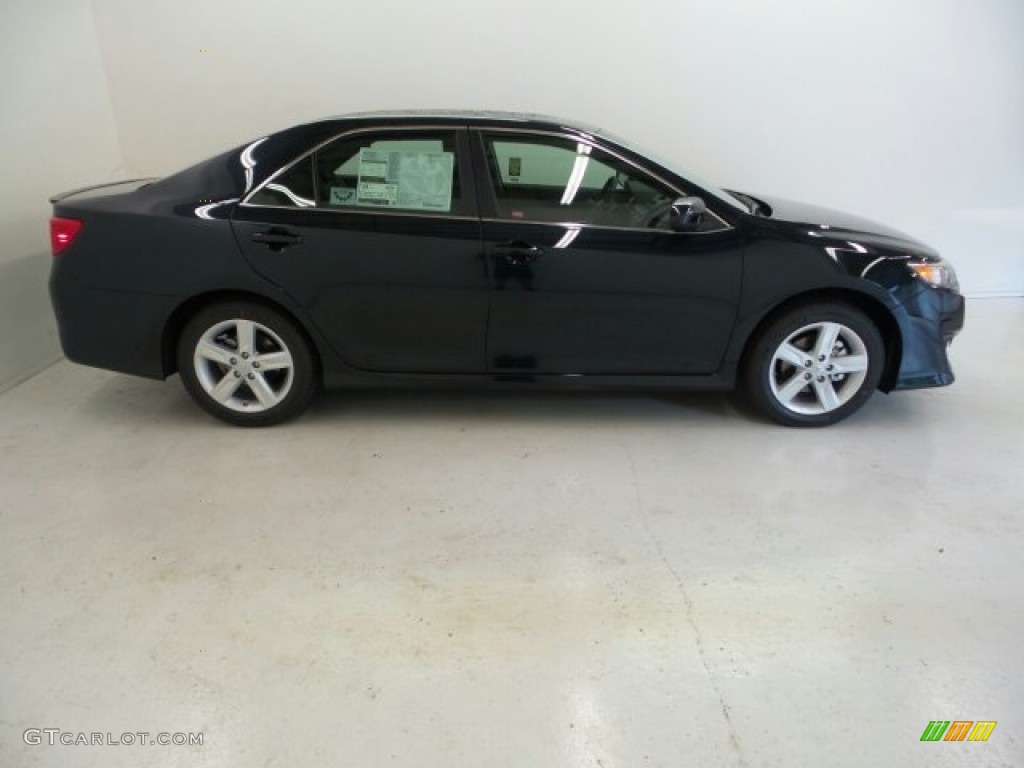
(62, 233)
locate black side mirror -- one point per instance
(687, 214)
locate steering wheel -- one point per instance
(616, 189)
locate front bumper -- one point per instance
(929, 319)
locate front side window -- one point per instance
(556, 179)
(415, 171)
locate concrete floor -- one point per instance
(489, 579)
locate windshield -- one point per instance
(721, 194)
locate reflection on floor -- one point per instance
(453, 579)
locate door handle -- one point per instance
(518, 253)
(276, 238)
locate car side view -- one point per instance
(480, 248)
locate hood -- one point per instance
(817, 222)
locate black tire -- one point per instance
(219, 358)
(794, 345)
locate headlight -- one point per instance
(938, 274)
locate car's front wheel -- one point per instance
(247, 364)
(814, 365)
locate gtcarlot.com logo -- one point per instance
(55, 736)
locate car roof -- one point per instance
(470, 115)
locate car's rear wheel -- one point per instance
(814, 365)
(247, 364)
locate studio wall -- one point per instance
(56, 131)
(908, 111)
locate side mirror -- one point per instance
(687, 214)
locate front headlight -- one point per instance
(938, 274)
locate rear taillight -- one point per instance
(63, 233)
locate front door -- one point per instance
(588, 276)
(376, 236)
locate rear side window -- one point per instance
(415, 171)
(402, 171)
(291, 189)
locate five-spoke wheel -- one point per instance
(246, 364)
(814, 365)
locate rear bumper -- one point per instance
(109, 329)
(931, 320)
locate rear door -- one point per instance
(376, 235)
(588, 276)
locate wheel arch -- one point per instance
(874, 308)
(176, 321)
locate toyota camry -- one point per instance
(473, 248)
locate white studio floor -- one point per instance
(500, 579)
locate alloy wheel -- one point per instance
(243, 365)
(818, 368)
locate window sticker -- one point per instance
(376, 193)
(342, 196)
(410, 180)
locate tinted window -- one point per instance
(410, 170)
(293, 188)
(542, 178)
